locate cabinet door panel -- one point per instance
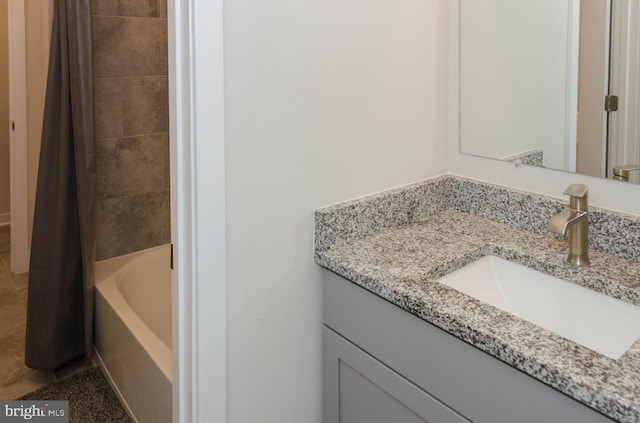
(360, 389)
(363, 401)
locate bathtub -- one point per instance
(133, 331)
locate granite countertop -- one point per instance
(400, 261)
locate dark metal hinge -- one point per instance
(611, 103)
(171, 257)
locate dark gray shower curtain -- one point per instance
(61, 270)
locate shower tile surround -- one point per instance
(397, 243)
(132, 122)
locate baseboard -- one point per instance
(5, 219)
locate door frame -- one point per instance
(20, 144)
(19, 137)
(198, 206)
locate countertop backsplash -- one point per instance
(609, 231)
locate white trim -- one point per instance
(5, 219)
(624, 134)
(18, 147)
(616, 131)
(571, 114)
(634, 78)
(607, 86)
(198, 209)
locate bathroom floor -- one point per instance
(16, 379)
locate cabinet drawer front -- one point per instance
(358, 388)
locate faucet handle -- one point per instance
(622, 172)
(577, 190)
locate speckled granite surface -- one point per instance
(611, 232)
(530, 158)
(439, 225)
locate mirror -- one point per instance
(552, 83)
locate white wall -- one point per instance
(326, 100)
(515, 77)
(4, 108)
(614, 195)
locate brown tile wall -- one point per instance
(132, 124)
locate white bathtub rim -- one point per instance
(106, 272)
(108, 268)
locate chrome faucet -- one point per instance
(575, 220)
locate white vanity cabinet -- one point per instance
(384, 365)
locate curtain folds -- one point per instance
(61, 270)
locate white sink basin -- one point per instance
(604, 324)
